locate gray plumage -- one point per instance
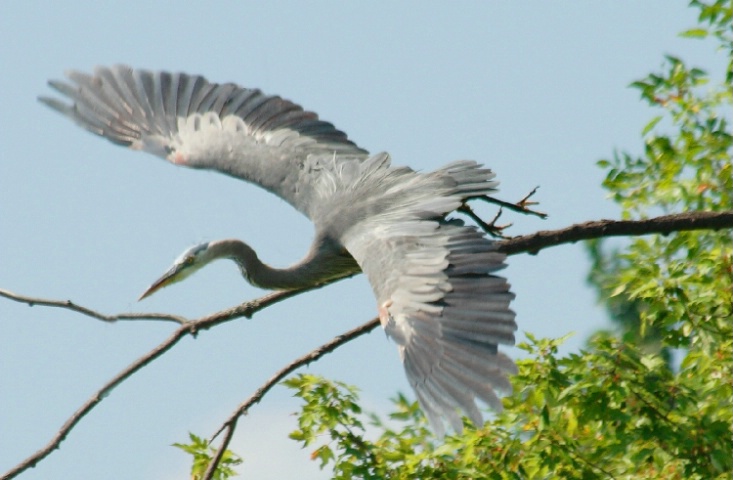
(434, 278)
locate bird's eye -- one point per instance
(188, 261)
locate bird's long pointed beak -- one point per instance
(163, 281)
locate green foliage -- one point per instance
(203, 453)
(688, 168)
(330, 408)
(612, 413)
(715, 19)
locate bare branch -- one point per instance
(94, 400)
(230, 424)
(613, 228)
(69, 305)
(187, 327)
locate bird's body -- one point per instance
(433, 277)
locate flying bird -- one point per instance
(434, 278)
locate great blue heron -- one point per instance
(434, 278)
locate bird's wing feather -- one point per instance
(437, 291)
(190, 121)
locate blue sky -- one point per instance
(537, 91)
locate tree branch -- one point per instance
(230, 424)
(666, 224)
(188, 327)
(69, 305)
(528, 243)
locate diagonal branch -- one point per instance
(231, 423)
(92, 402)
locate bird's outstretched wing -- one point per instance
(189, 121)
(437, 292)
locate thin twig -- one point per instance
(230, 423)
(97, 397)
(69, 305)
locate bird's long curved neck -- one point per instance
(312, 270)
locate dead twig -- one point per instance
(69, 305)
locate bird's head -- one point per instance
(187, 263)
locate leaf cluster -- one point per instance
(612, 413)
(203, 453)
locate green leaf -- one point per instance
(649, 126)
(694, 33)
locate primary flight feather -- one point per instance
(434, 278)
